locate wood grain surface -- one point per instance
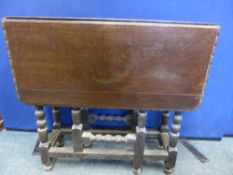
(110, 63)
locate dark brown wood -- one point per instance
(91, 153)
(1, 122)
(110, 63)
(54, 137)
(164, 140)
(77, 130)
(1, 125)
(43, 137)
(164, 129)
(57, 124)
(173, 140)
(150, 133)
(165, 117)
(85, 118)
(56, 118)
(140, 143)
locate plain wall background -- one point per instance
(213, 119)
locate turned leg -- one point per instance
(164, 127)
(134, 119)
(43, 137)
(77, 130)
(84, 118)
(174, 137)
(140, 143)
(57, 124)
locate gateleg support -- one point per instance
(77, 130)
(140, 143)
(173, 140)
(57, 124)
(43, 137)
(164, 130)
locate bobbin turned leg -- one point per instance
(163, 128)
(43, 137)
(77, 130)
(140, 143)
(174, 137)
(57, 124)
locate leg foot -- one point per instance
(136, 171)
(167, 171)
(50, 166)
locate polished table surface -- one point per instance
(110, 63)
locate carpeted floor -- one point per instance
(16, 159)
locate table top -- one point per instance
(110, 63)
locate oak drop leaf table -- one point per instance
(84, 63)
